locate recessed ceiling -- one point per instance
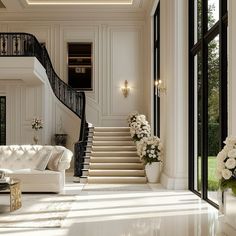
(80, 2)
(74, 9)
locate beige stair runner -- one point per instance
(113, 157)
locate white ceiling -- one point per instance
(74, 9)
(58, 5)
(78, 2)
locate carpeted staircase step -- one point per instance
(113, 148)
(116, 173)
(116, 180)
(113, 166)
(112, 138)
(111, 129)
(113, 154)
(96, 133)
(113, 143)
(120, 159)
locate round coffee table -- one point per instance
(15, 193)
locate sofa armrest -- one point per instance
(65, 160)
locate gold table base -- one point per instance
(15, 196)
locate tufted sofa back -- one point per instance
(15, 157)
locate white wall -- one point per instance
(26, 101)
(229, 227)
(118, 56)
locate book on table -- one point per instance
(4, 180)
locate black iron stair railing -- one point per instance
(26, 45)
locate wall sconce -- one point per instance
(159, 87)
(126, 89)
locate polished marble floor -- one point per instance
(121, 210)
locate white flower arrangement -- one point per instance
(139, 130)
(139, 127)
(150, 149)
(37, 123)
(132, 117)
(226, 165)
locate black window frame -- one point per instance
(3, 120)
(219, 28)
(156, 70)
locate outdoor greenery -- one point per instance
(213, 183)
(213, 101)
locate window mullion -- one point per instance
(204, 102)
(223, 72)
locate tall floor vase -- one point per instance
(35, 138)
(153, 171)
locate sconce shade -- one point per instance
(159, 87)
(125, 89)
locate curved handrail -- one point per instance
(26, 45)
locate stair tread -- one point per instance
(113, 143)
(111, 163)
(115, 133)
(115, 172)
(112, 179)
(118, 170)
(111, 128)
(133, 148)
(103, 160)
(113, 153)
(112, 138)
(116, 166)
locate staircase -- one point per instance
(112, 157)
(26, 45)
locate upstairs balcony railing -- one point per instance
(26, 45)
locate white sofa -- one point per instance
(40, 168)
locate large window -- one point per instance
(156, 71)
(2, 120)
(207, 93)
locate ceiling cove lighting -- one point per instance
(80, 2)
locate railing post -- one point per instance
(78, 158)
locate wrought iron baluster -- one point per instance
(4, 49)
(15, 45)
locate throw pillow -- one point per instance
(55, 158)
(44, 157)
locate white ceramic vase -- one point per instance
(35, 138)
(229, 209)
(153, 171)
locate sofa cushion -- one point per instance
(55, 158)
(60, 159)
(44, 157)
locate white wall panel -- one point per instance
(117, 56)
(126, 53)
(26, 102)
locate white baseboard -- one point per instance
(174, 183)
